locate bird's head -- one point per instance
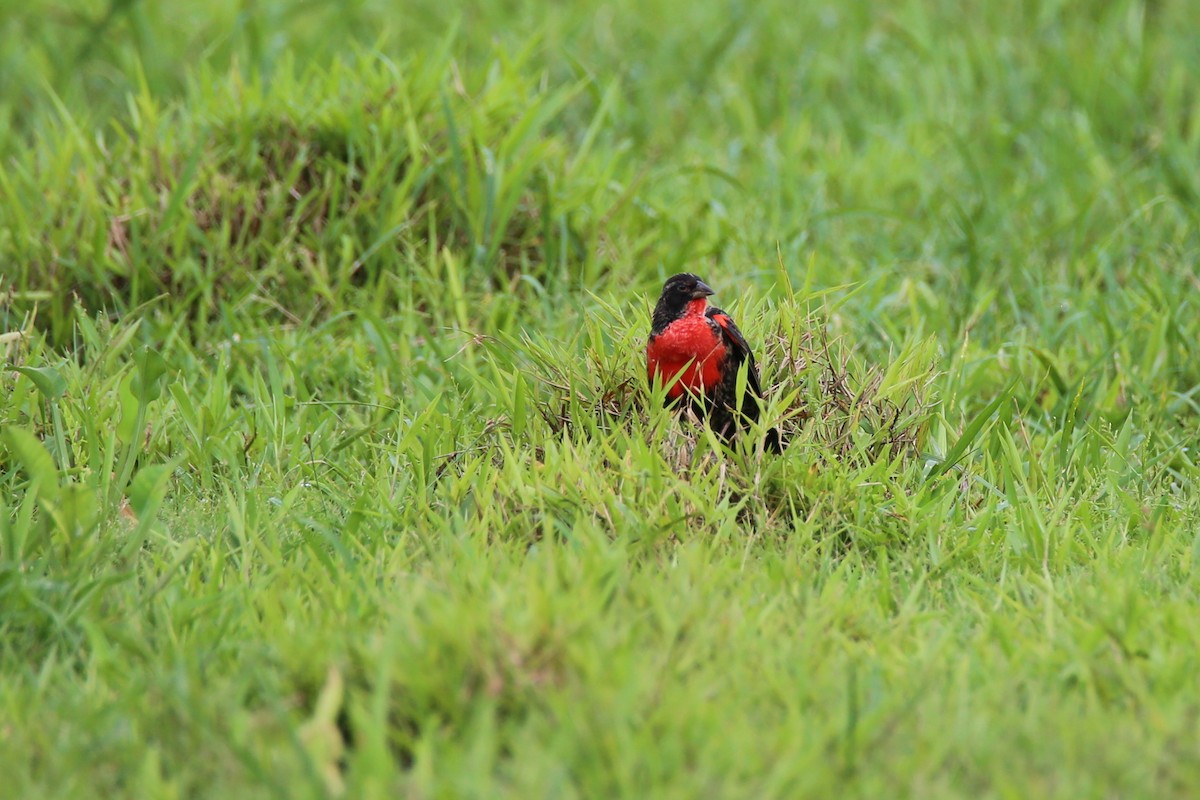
(685, 287)
(677, 292)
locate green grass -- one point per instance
(327, 467)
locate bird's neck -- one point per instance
(665, 314)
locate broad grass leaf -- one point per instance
(33, 456)
(48, 380)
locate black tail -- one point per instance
(773, 442)
(728, 425)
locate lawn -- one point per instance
(328, 467)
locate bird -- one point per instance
(696, 351)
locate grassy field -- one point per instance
(327, 468)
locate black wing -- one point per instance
(740, 351)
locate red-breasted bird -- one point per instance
(701, 345)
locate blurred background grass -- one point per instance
(981, 161)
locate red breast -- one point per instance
(689, 347)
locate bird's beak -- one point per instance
(702, 290)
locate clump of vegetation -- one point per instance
(820, 392)
(854, 410)
(292, 194)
